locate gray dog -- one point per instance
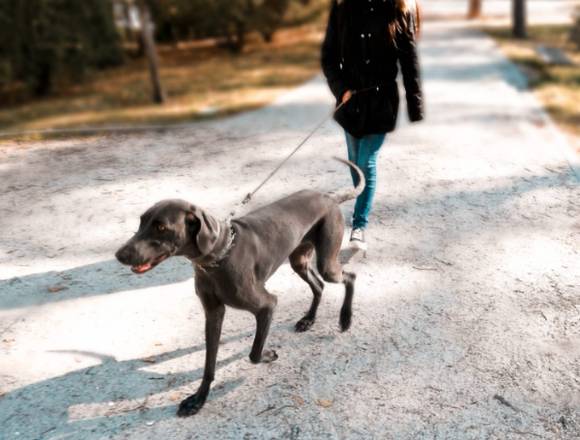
(233, 260)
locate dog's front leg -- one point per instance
(263, 316)
(214, 316)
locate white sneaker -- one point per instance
(357, 239)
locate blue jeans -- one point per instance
(364, 152)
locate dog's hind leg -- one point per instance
(328, 241)
(348, 279)
(263, 315)
(300, 260)
(214, 316)
(333, 273)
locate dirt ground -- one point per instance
(467, 311)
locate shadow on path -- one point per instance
(121, 392)
(100, 278)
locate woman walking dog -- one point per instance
(364, 41)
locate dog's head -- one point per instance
(170, 227)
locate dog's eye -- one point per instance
(161, 228)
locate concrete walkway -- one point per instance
(466, 320)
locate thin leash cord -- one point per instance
(287, 158)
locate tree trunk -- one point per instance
(127, 16)
(519, 19)
(474, 9)
(267, 35)
(150, 51)
(43, 79)
(575, 31)
(236, 40)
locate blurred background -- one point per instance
(69, 64)
(467, 306)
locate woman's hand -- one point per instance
(347, 95)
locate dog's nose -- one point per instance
(123, 255)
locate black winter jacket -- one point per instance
(357, 56)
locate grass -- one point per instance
(201, 81)
(558, 87)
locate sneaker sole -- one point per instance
(358, 245)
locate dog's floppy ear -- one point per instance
(204, 227)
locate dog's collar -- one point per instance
(214, 260)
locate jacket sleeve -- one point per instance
(409, 61)
(330, 56)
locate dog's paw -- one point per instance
(191, 405)
(266, 357)
(345, 319)
(269, 356)
(303, 325)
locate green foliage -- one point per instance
(45, 38)
(269, 17)
(227, 19)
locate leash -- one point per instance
(249, 196)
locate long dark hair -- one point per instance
(405, 19)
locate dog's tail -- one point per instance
(343, 195)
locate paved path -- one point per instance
(466, 320)
(539, 11)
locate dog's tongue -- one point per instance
(143, 268)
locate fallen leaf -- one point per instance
(56, 289)
(175, 396)
(149, 360)
(325, 403)
(298, 400)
